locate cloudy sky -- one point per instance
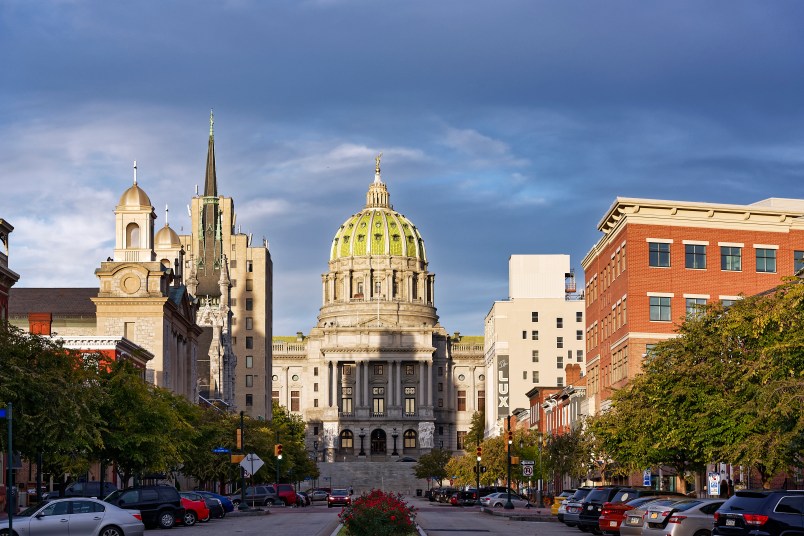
(507, 126)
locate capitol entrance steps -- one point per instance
(362, 476)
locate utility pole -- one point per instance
(242, 446)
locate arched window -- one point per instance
(347, 440)
(132, 236)
(409, 439)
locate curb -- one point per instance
(538, 517)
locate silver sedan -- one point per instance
(77, 517)
(498, 500)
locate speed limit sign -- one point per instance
(527, 470)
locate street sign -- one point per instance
(528, 462)
(252, 463)
(527, 470)
(3, 413)
(221, 450)
(646, 478)
(237, 458)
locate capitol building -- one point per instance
(379, 377)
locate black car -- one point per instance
(761, 513)
(159, 505)
(262, 495)
(592, 506)
(83, 489)
(463, 498)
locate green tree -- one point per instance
(433, 465)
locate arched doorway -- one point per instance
(378, 441)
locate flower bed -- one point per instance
(376, 513)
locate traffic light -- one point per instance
(239, 439)
(510, 437)
(278, 450)
(479, 452)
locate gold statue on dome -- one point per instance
(377, 160)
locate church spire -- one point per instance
(211, 181)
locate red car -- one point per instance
(339, 497)
(613, 514)
(195, 509)
(287, 493)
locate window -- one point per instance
(535, 374)
(315, 402)
(249, 400)
(409, 370)
(249, 304)
(249, 284)
(294, 401)
(649, 351)
(440, 371)
(440, 430)
(249, 266)
(534, 356)
(347, 439)
(410, 407)
(579, 316)
(249, 380)
(346, 405)
(378, 370)
(315, 387)
(233, 283)
(249, 343)
(481, 400)
(659, 309)
(378, 406)
(534, 335)
(461, 400)
(695, 306)
(524, 374)
(249, 323)
(275, 396)
(559, 342)
(560, 362)
(730, 257)
(579, 335)
(409, 439)
(440, 387)
(766, 260)
(534, 317)
(559, 322)
(315, 371)
(695, 256)
(727, 303)
(798, 261)
(378, 390)
(440, 402)
(659, 254)
(249, 361)
(347, 370)
(524, 334)
(579, 356)
(560, 381)
(460, 440)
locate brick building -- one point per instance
(7, 276)
(658, 260)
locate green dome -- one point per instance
(378, 231)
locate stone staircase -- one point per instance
(362, 476)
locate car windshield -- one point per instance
(580, 494)
(597, 495)
(685, 505)
(28, 512)
(339, 492)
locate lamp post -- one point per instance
(477, 469)
(395, 435)
(243, 504)
(539, 485)
(362, 436)
(509, 505)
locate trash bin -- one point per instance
(418, 493)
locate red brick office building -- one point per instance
(657, 260)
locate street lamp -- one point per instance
(509, 505)
(395, 435)
(362, 436)
(539, 491)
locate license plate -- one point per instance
(634, 520)
(590, 507)
(654, 515)
(612, 523)
(729, 522)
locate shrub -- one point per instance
(376, 513)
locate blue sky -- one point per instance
(507, 127)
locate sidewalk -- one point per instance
(522, 514)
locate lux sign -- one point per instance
(502, 386)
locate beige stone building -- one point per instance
(533, 336)
(378, 376)
(232, 279)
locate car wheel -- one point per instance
(167, 519)
(498, 505)
(5, 532)
(236, 503)
(189, 518)
(111, 531)
(268, 502)
(702, 533)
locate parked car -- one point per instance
(226, 504)
(613, 514)
(318, 495)
(92, 517)
(262, 495)
(159, 505)
(339, 497)
(761, 512)
(287, 493)
(82, 489)
(195, 508)
(689, 517)
(592, 505)
(573, 506)
(499, 500)
(442, 495)
(635, 519)
(463, 498)
(302, 499)
(560, 498)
